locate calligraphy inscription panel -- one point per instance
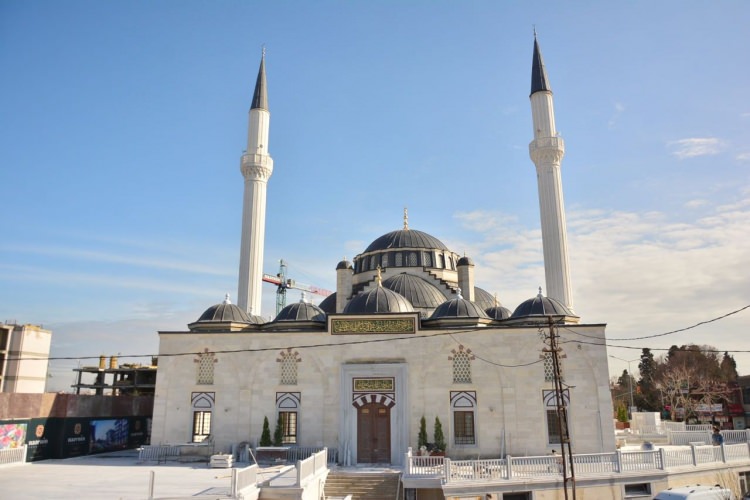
(373, 384)
(363, 326)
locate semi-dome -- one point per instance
(328, 305)
(418, 291)
(378, 300)
(458, 308)
(224, 312)
(483, 298)
(541, 306)
(301, 311)
(405, 238)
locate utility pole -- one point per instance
(562, 413)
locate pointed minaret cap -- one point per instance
(260, 96)
(539, 81)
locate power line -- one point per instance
(411, 337)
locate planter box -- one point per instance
(271, 454)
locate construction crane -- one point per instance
(283, 284)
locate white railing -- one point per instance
(311, 466)
(679, 438)
(734, 436)
(649, 430)
(551, 466)
(243, 478)
(699, 427)
(423, 466)
(10, 456)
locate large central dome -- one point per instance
(405, 238)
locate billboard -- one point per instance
(43, 438)
(12, 434)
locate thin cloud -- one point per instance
(743, 157)
(696, 146)
(619, 110)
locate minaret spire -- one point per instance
(547, 151)
(256, 167)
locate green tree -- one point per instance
(422, 437)
(728, 368)
(438, 435)
(277, 432)
(265, 436)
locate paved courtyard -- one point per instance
(116, 475)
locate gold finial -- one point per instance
(406, 219)
(379, 277)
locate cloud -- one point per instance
(642, 273)
(696, 146)
(696, 203)
(743, 157)
(619, 109)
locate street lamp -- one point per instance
(630, 379)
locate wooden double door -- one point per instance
(373, 434)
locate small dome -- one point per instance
(301, 311)
(328, 305)
(344, 264)
(465, 261)
(378, 300)
(498, 312)
(405, 238)
(458, 308)
(419, 292)
(224, 312)
(541, 306)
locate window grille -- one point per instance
(463, 422)
(399, 258)
(427, 259)
(288, 360)
(412, 259)
(384, 261)
(461, 365)
(205, 367)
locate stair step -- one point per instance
(362, 486)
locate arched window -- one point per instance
(398, 259)
(412, 259)
(463, 407)
(384, 260)
(427, 259)
(441, 261)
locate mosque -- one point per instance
(407, 335)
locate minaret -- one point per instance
(256, 168)
(546, 151)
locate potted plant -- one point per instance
(622, 417)
(439, 438)
(422, 437)
(268, 452)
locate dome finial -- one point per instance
(406, 219)
(226, 299)
(303, 298)
(540, 292)
(379, 277)
(458, 292)
(495, 299)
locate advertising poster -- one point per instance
(43, 438)
(75, 440)
(108, 435)
(12, 434)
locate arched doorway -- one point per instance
(373, 433)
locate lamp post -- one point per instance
(630, 380)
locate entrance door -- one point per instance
(374, 434)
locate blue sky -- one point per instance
(123, 125)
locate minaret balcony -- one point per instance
(256, 166)
(547, 143)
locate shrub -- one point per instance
(438, 436)
(265, 437)
(422, 438)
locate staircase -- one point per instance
(364, 485)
